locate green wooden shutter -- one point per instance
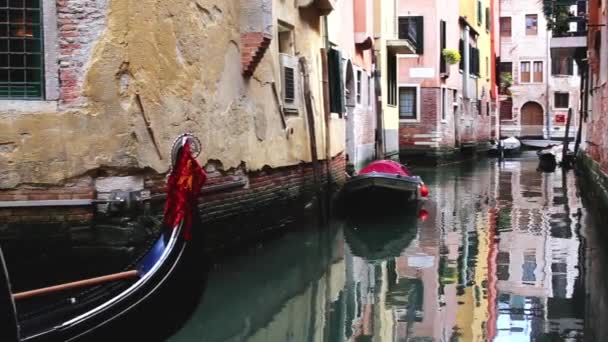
(488, 22)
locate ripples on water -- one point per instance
(499, 257)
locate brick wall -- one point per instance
(81, 189)
(429, 108)
(79, 24)
(270, 196)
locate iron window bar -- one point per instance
(21, 49)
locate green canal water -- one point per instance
(504, 253)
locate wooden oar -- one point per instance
(76, 284)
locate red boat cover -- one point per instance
(386, 166)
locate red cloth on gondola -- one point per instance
(183, 188)
(386, 166)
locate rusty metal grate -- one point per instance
(21, 49)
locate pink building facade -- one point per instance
(350, 33)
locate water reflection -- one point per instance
(499, 257)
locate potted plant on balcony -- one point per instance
(451, 56)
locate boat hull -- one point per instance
(406, 186)
(179, 274)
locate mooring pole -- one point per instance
(566, 136)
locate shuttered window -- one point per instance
(538, 72)
(488, 21)
(21, 49)
(474, 61)
(461, 50)
(412, 29)
(336, 84)
(391, 80)
(505, 26)
(443, 66)
(525, 72)
(479, 13)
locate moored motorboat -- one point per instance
(77, 310)
(386, 177)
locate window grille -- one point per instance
(21, 49)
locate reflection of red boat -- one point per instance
(387, 176)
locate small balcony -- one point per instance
(400, 46)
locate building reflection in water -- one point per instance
(497, 259)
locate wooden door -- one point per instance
(532, 119)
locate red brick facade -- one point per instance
(253, 48)
(78, 25)
(267, 189)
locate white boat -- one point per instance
(510, 145)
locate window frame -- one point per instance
(418, 40)
(532, 79)
(416, 87)
(530, 32)
(502, 25)
(49, 74)
(555, 95)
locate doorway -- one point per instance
(532, 120)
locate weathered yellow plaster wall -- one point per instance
(182, 57)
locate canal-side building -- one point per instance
(594, 142)
(434, 106)
(351, 41)
(539, 84)
(476, 104)
(93, 93)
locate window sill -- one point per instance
(406, 121)
(391, 106)
(444, 121)
(28, 106)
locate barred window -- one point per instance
(408, 103)
(21, 49)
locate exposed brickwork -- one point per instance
(79, 24)
(253, 48)
(429, 109)
(82, 189)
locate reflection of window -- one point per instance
(407, 102)
(561, 100)
(529, 266)
(502, 269)
(21, 55)
(531, 24)
(505, 26)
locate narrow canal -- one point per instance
(503, 255)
